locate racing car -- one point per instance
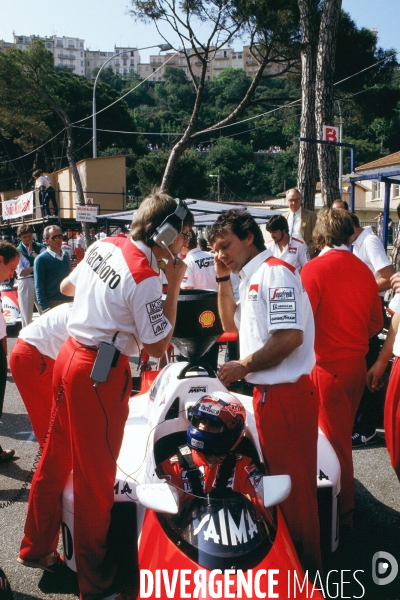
(9, 302)
(242, 535)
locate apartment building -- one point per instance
(70, 52)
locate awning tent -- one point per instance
(205, 212)
(388, 175)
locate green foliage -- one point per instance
(189, 180)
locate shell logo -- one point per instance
(207, 318)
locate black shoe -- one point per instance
(6, 455)
(5, 589)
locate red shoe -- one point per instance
(53, 563)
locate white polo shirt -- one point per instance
(118, 289)
(369, 248)
(49, 331)
(200, 272)
(272, 297)
(394, 306)
(295, 253)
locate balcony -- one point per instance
(68, 56)
(70, 67)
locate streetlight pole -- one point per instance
(163, 48)
(218, 185)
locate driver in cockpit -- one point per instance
(209, 461)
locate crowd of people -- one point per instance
(307, 312)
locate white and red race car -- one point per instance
(155, 538)
(9, 303)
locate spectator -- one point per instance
(282, 246)
(47, 193)
(277, 356)
(80, 247)
(202, 244)
(34, 352)
(119, 303)
(92, 236)
(300, 220)
(340, 204)
(368, 247)
(9, 258)
(50, 268)
(347, 312)
(29, 251)
(65, 246)
(102, 234)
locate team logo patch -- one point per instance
(199, 389)
(282, 307)
(197, 443)
(283, 293)
(282, 318)
(207, 318)
(292, 250)
(210, 408)
(252, 295)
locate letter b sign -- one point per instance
(330, 134)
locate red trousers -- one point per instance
(287, 425)
(392, 417)
(33, 375)
(340, 385)
(86, 438)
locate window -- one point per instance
(88, 63)
(225, 54)
(239, 56)
(81, 44)
(396, 191)
(125, 62)
(375, 190)
(49, 45)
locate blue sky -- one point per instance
(105, 23)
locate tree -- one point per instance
(226, 21)
(307, 168)
(324, 107)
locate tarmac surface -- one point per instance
(376, 522)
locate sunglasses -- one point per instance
(56, 237)
(188, 236)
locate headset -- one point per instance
(171, 227)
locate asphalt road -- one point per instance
(376, 524)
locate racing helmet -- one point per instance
(222, 410)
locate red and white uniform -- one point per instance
(117, 290)
(285, 399)
(245, 476)
(392, 402)
(347, 312)
(35, 352)
(200, 272)
(295, 253)
(369, 248)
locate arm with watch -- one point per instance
(226, 301)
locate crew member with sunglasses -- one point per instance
(54, 265)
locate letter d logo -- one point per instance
(384, 568)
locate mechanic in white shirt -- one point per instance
(284, 246)
(200, 272)
(46, 191)
(119, 309)
(369, 248)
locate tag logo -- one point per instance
(281, 294)
(207, 318)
